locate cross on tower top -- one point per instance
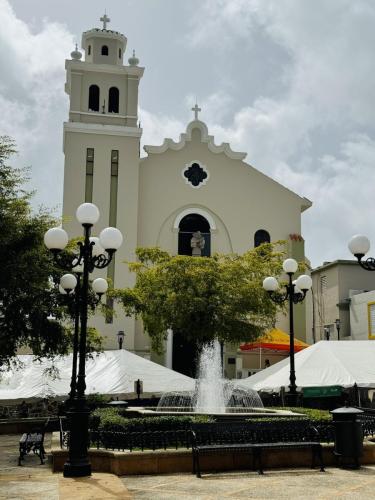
(105, 19)
(196, 110)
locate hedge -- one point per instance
(112, 420)
(311, 413)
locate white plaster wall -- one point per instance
(240, 199)
(76, 144)
(359, 327)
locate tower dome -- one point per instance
(76, 54)
(133, 60)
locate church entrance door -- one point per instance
(185, 352)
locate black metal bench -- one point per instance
(33, 442)
(252, 439)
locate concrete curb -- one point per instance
(171, 461)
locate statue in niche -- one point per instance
(197, 244)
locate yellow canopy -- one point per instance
(276, 340)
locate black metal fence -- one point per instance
(367, 421)
(266, 431)
(280, 431)
(150, 440)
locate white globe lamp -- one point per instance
(290, 266)
(100, 286)
(359, 245)
(56, 239)
(304, 282)
(270, 284)
(68, 282)
(110, 239)
(87, 214)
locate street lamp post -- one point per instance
(93, 253)
(338, 326)
(66, 287)
(295, 292)
(120, 338)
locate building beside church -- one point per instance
(162, 198)
(341, 296)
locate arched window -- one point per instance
(89, 50)
(261, 236)
(113, 100)
(94, 98)
(104, 50)
(188, 225)
(119, 53)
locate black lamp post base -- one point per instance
(77, 469)
(291, 399)
(78, 464)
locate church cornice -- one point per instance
(83, 66)
(205, 138)
(96, 128)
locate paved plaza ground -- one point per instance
(35, 481)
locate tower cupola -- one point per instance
(104, 46)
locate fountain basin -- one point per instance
(218, 416)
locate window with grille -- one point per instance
(323, 283)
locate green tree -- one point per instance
(202, 298)
(27, 298)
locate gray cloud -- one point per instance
(290, 82)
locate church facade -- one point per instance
(161, 199)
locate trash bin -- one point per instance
(348, 436)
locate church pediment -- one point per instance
(196, 130)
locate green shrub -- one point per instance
(112, 420)
(95, 400)
(312, 413)
(304, 414)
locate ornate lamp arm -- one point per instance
(299, 296)
(65, 261)
(279, 298)
(101, 261)
(368, 264)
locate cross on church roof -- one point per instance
(196, 110)
(105, 19)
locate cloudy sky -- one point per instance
(291, 82)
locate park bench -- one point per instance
(33, 442)
(253, 439)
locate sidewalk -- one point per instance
(296, 484)
(35, 481)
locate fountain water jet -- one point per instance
(213, 394)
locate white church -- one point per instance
(162, 198)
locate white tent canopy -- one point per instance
(325, 363)
(111, 372)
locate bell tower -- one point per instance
(101, 147)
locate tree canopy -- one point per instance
(202, 298)
(27, 299)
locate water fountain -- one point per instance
(213, 394)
